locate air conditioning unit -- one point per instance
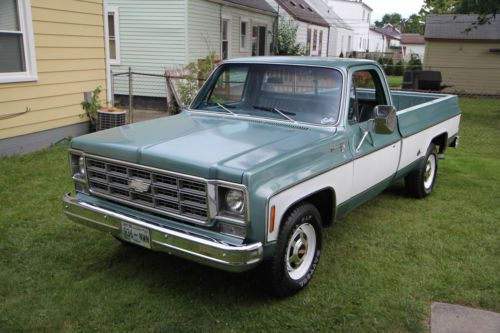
(109, 118)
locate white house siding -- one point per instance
(254, 19)
(152, 38)
(418, 49)
(302, 34)
(204, 29)
(352, 13)
(338, 43)
(204, 34)
(377, 42)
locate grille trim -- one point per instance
(168, 193)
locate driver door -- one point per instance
(376, 156)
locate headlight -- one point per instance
(231, 204)
(81, 165)
(78, 170)
(235, 201)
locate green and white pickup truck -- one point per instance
(271, 151)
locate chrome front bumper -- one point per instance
(204, 250)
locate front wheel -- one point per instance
(420, 182)
(298, 251)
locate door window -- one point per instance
(366, 92)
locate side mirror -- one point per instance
(385, 119)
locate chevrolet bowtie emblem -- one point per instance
(139, 185)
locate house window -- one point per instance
(368, 18)
(113, 36)
(308, 43)
(225, 39)
(320, 47)
(17, 56)
(315, 40)
(243, 35)
(363, 15)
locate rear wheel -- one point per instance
(420, 182)
(298, 251)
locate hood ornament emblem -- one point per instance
(139, 186)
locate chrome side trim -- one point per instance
(198, 248)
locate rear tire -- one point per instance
(298, 251)
(420, 182)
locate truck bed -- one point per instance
(418, 111)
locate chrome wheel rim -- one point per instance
(430, 170)
(300, 251)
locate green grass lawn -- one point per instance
(395, 81)
(381, 266)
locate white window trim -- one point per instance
(114, 10)
(247, 21)
(26, 27)
(228, 18)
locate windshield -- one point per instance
(289, 93)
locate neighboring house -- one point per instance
(377, 40)
(412, 44)
(470, 62)
(357, 15)
(50, 53)
(388, 38)
(312, 30)
(339, 32)
(152, 36)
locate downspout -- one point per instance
(109, 96)
(220, 32)
(328, 41)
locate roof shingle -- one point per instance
(301, 11)
(451, 26)
(256, 4)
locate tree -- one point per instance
(287, 38)
(413, 25)
(486, 10)
(394, 18)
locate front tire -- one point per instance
(420, 182)
(298, 251)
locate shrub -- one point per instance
(198, 72)
(414, 64)
(399, 68)
(287, 38)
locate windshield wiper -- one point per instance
(223, 107)
(278, 111)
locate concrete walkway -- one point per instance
(450, 318)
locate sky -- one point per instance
(404, 7)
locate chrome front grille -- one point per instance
(163, 193)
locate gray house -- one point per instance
(155, 35)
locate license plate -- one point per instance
(136, 235)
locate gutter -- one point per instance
(109, 96)
(252, 9)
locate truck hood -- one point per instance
(208, 146)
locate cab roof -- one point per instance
(299, 60)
